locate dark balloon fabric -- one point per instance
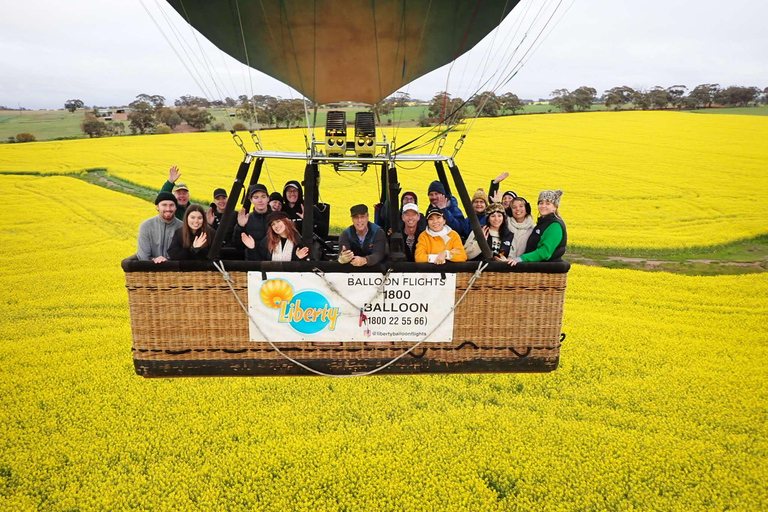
(353, 50)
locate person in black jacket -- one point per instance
(193, 239)
(282, 243)
(412, 228)
(254, 224)
(496, 232)
(363, 243)
(293, 205)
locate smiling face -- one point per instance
(408, 199)
(495, 220)
(434, 196)
(360, 221)
(291, 195)
(479, 205)
(518, 210)
(195, 220)
(276, 205)
(221, 203)
(436, 222)
(545, 208)
(506, 200)
(166, 210)
(260, 201)
(182, 197)
(410, 218)
(278, 226)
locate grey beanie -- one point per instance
(553, 196)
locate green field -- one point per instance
(762, 110)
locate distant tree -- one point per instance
(11, 138)
(230, 102)
(240, 127)
(659, 97)
(73, 105)
(423, 121)
(703, 95)
(195, 117)
(25, 137)
(487, 103)
(142, 117)
(447, 110)
(765, 95)
(218, 127)
(510, 101)
(191, 101)
(676, 95)
(562, 99)
(640, 99)
(93, 127)
(583, 97)
(737, 96)
(168, 116)
(162, 129)
(617, 97)
(289, 111)
(117, 128)
(155, 100)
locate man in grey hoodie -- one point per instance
(155, 234)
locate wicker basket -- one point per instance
(185, 322)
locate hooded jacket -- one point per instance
(294, 211)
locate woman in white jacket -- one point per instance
(520, 224)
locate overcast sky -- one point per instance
(106, 52)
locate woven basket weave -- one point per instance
(189, 324)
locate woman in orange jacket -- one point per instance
(439, 243)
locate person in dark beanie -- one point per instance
(363, 243)
(254, 224)
(548, 240)
(293, 206)
(276, 201)
(449, 206)
(155, 234)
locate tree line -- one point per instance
(150, 114)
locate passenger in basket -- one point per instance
(479, 204)
(411, 198)
(155, 234)
(255, 223)
(450, 207)
(363, 243)
(179, 190)
(439, 243)
(282, 243)
(549, 238)
(411, 229)
(520, 223)
(293, 205)
(496, 232)
(193, 239)
(215, 213)
(276, 201)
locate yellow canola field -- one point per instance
(659, 403)
(631, 179)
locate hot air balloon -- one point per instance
(196, 318)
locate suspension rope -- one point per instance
(220, 267)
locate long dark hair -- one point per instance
(187, 235)
(292, 234)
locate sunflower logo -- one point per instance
(275, 291)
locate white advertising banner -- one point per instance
(303, 306)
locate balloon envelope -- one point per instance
(353, 50)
